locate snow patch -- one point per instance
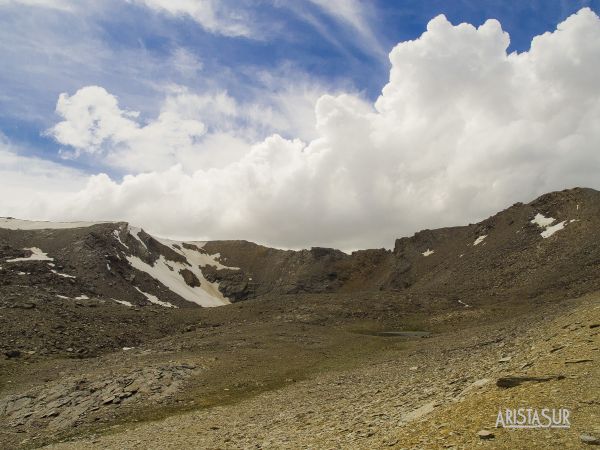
(123, 302)
(207, 294)
(479, 240)
(82, 297)
(64, 297)
(542, 221)
(17, 224)
(549, 231)
(62, 274)
(464, 304)
(154, 299)
(546, 222)
(135, 232)
(36, 255)
(428, 252)
(118, 237)
(195, 257)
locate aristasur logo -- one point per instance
(533, 418)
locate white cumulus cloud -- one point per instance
(461, 130)
(196, 130)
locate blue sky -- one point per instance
(356, 121)
(50, 50)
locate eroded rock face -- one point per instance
(190, 278)
(233, 284)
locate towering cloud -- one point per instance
(462, 129)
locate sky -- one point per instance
(341, 123)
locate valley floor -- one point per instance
(293, 379)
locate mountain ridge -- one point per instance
(116, 260)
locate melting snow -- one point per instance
(479, 240)
(549, 231)
(195, 257)
(135, 232)
(545, 222)
(541, 221)
(116, 234)
(124, 302)
(36, 255)
(63, 274)
(428, 252)
(17, 224)
(154, 299)
(207, 294)
(82, 297)
(64, 297)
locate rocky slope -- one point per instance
(441, 392)
(110, 261)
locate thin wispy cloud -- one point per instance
(358, 16)
(65, 5)
(214, 16)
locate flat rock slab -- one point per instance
(589, 439)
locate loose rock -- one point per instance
(485, 434)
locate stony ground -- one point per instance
(432, 392)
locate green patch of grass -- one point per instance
(408, 324)
(246, 373)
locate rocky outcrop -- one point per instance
(66, 404)
(189, 277)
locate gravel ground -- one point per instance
(438, 392)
